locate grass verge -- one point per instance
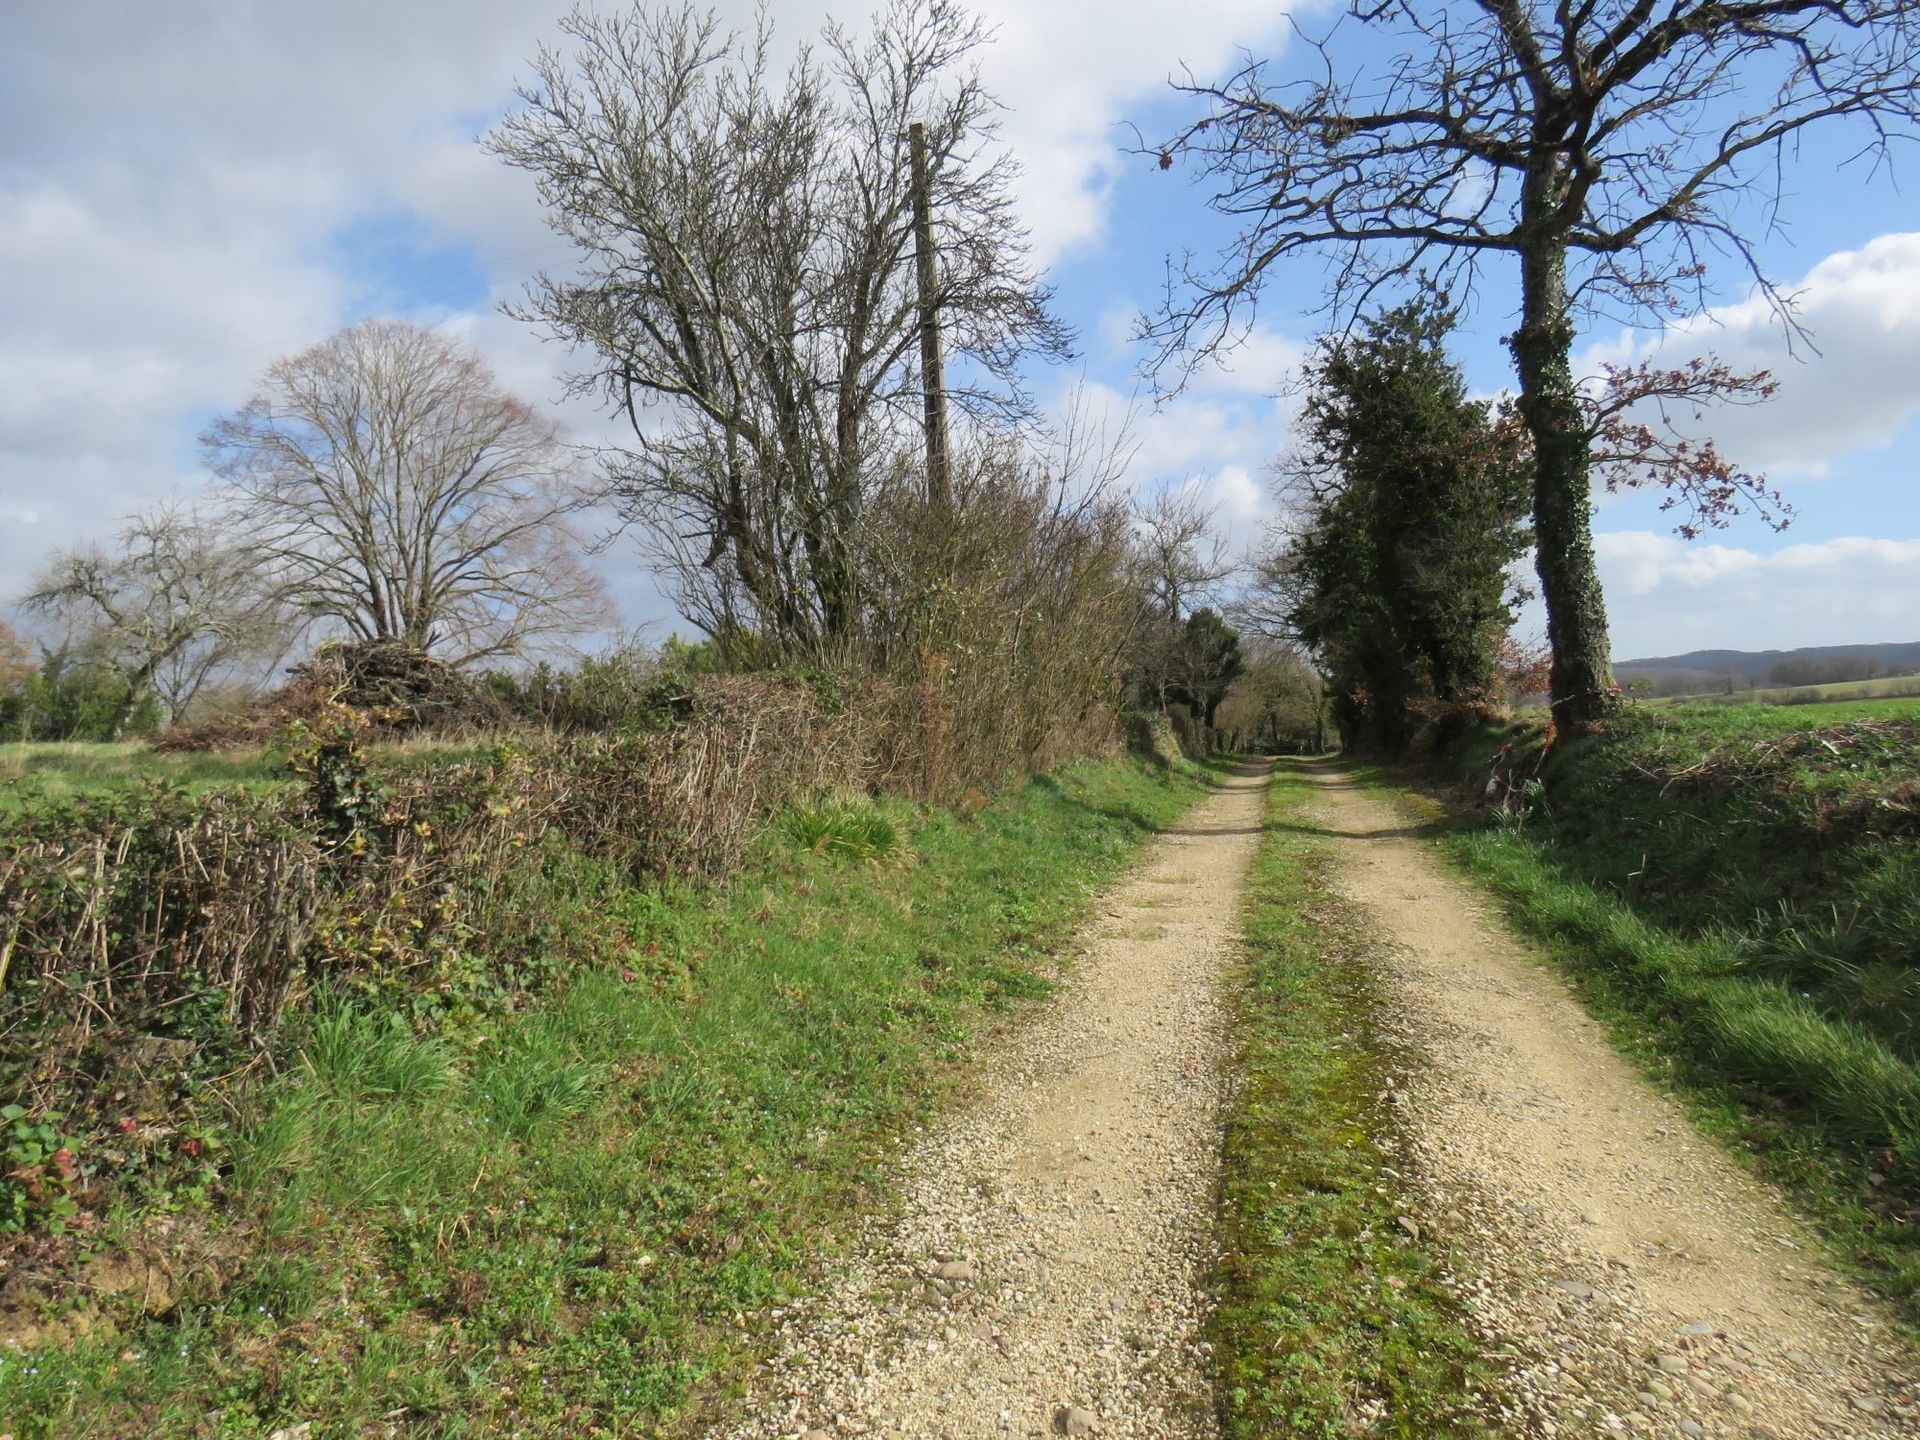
(1329, 1322)
(47, 773)
(1732, 892)
(1801, 1097)
(567, 1225)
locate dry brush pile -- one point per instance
(211, 920)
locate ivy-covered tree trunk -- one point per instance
(1582, 677)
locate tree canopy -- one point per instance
(1614, 149)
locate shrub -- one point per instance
(444, 890)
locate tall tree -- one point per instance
(1409, 499)
(389, 486)
(1206, 662)
(169, 606)
(744, 279)
(1182, 557)
(1610, 147)
(1180, 560)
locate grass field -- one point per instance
(563, 1225)
(53, 771)
(1891, 688)
(48, 772)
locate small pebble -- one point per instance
(1075, 1420)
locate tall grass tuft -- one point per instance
(844, 829)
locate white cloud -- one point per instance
(1666, 596)
(1863, 309)
(173, 179)
(1219, 437)
(1067, 71)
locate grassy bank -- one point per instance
(1329, 1321)
(1738, 892)
(567, 1222)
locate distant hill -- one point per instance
(1756, 666)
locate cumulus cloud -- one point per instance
(1219, 437)
(176, 182)
(1856, 394)
(1666, 596)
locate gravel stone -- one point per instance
(1073, 1420)
(1549, 1155)
(1067, 1207)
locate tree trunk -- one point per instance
(1582, 681)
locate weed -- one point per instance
(40, 1171)
(358, 1053)
(844, 829)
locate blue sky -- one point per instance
(188, 191)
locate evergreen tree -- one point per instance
(1415, 497)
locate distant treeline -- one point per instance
(1792, 672)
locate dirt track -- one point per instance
(1642, 1282)
(1055, 1234)
(1047, 1270)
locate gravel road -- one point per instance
(1634, 1279)
(1044, 1275)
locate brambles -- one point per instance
(41, 1171)
(446, 891)
(586, 1184)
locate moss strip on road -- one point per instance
(1330, 1320)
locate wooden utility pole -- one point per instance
(933, 370)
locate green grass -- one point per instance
(1330, 1322)
(35, 773)
(1737, 891)
(571, 1224)
(1782, 842)
(845, 828)
(1898, 694)
(51, 771)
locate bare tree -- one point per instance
(389, 485)
(1269, 595)
(745, 276)
(1182, 557)
(1277, 699)
(1612, 147)
(1180, 560)
(171, 606)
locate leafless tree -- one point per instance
(1003, 620)
(1278, 698)
(1180, 561)
(388, 485)
(1182, 556)
(1263, 607)
(744, 275)
(1614, 148)
(171, 606)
